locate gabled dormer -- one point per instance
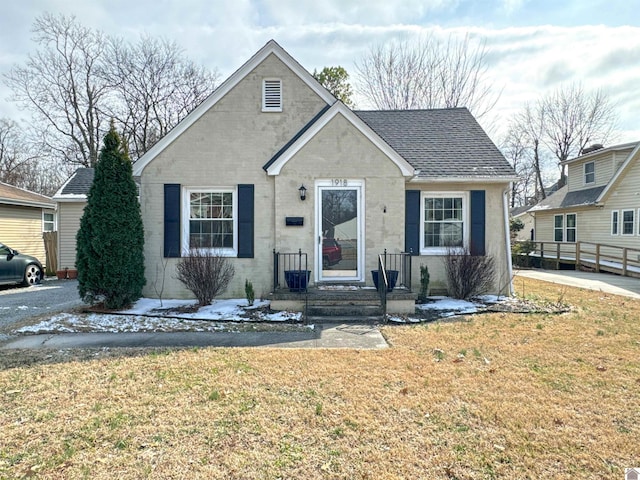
(596, 166)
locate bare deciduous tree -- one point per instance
(559, 126)
(428, 73)
(154, 88)
(62, 85)
(21, 165)
(573, 119)
(79, 79)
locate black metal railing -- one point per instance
(293, 268)
(383, 285)
(398, 267)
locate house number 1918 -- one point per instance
(339, 182)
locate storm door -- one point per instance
(339, 255)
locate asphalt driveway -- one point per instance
(18, 304)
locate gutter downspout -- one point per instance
(505, 205)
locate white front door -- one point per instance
(339, 230)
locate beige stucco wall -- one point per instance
(21, 229)
(495, 237)
(340, 151)
(228, 146)
(69, 215)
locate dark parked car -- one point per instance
(16, 267)
(331, 252)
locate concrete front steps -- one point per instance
(345, 303)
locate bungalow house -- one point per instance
(600, 204)
(71, 198)
(272, 162)
(24, 217)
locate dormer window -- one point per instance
(589, 172)
(272, 95)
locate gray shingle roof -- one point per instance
(79, 183)
(439, 143)
(563, 198)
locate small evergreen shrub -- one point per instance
(424, 283)
(249, 292)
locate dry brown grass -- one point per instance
(496, 396)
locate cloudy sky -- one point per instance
(534, 45)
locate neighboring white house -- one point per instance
(229, 176)
(71, 198)
(600, 202)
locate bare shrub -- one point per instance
(468, 275)
(206, 273)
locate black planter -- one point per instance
(392, 277)
(297, 280)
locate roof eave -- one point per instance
(27, 203)
(465, 179)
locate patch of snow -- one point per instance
(450, 304)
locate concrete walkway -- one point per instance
(321, 336)
(605, 282)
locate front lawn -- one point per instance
(497, 395)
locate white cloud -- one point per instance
(525, 61)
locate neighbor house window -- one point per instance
(272, 95)
(444, 221)
(570, 229)
(212, 220)
(628, 222)
(558, 228)
(589, 172)
(615, 222)
(48, 222)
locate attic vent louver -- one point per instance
(272, 96)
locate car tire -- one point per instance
(32, 275)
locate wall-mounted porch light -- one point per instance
(303, 192)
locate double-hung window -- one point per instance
(565, 228)
(570, 229)
(628, 222)
(589, 172)
(444, 221)
(48, 222)
(615, 222)
(212, 220)
(558, 228)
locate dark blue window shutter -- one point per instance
(412, 222)
(245, 221)
(172, 220)
(478, 222)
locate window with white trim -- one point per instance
(48, 222)
(589, 172)
(558, 228)
(570, 228)
(628, 222)
(615, 222)
(211, 220)
(272, 95)
(444, 220)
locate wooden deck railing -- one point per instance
(599, 256)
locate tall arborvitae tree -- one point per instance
(109, 252)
